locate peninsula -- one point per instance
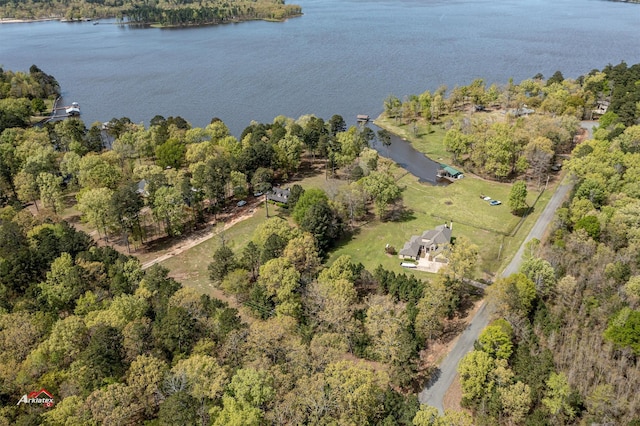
(186, 13)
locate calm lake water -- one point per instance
(342, 57)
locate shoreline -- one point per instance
(26, 21)
(150, 25)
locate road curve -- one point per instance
(433, 393)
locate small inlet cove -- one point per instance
(405, 155)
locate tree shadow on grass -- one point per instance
(345, 239)
(400, 214)
(525, 211)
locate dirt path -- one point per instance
(193, 241)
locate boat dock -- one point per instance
(72, 110)
(362, 118)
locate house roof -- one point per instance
(440, 235)
(411, 247)
(142, 188)
(280, 195)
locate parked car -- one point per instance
(487, 198)
(257, 194)
(495, 202)
(241, 203)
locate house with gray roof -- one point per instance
(279, 195)
(141, 188)
(429, 246)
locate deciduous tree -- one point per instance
(496, 342)
(51, 191)
(387, 326)
(475, 375)
(145, 378)
(513, 295)
(383, 189)
(463, 257)
(516, 401)
(557, 396)
(95, 204)
(63, 285)
(302, 252)
(518, 198)
(205, 378)
(169, 206)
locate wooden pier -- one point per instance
(72, 110)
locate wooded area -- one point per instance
(23, 95)
(182, 13)
(568, 350)
(518, 130)
(319, 344)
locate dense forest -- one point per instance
(313, 343)
(118, 344)
(566, 350)
(183, 13)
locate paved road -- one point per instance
(434, 393)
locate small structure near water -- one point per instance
(449, 173)
(73, 110)
(362, 118)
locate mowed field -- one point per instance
(489, 227)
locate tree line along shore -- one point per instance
(160, 13)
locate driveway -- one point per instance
(433, 393)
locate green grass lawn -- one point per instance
(485, 225)
(190, 266)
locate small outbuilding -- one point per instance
(449, 173)
(279, 195)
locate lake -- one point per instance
(342, 57)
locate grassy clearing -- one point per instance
(460, 202)
(427, 206)
(190, 266)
